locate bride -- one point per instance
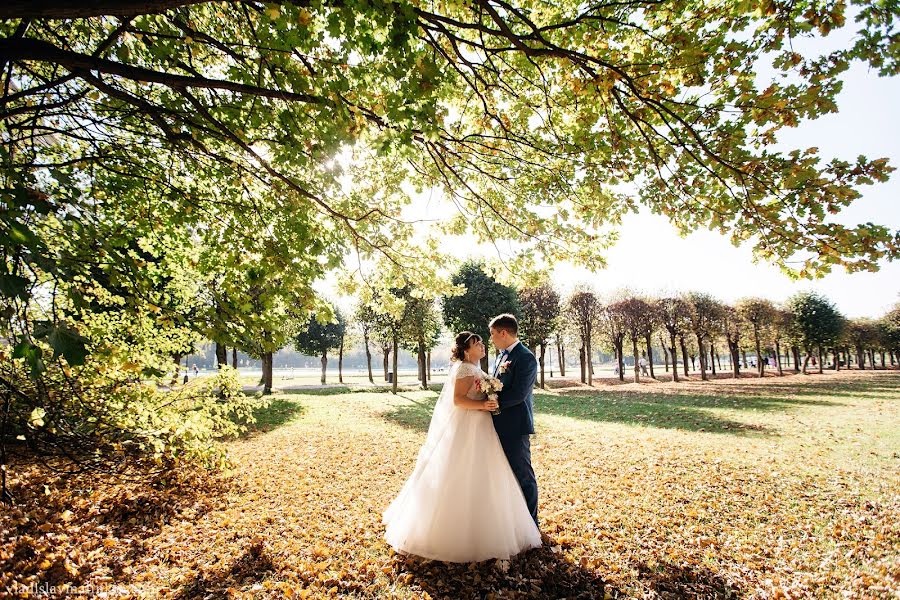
(462, 502)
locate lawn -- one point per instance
(781, 487)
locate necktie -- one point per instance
(500, 360)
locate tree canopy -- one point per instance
(534, 118)
(484, 298)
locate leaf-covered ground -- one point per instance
(782, 487)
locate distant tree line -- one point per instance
(689, 331)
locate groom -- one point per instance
(516, 367)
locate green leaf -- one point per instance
(19, 234)
(70, 344)
(13, 286)
(64, 340)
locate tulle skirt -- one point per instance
(462, 503)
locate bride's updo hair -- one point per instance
(464, 341)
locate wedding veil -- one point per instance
(443, 410)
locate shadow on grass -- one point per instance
(279, 411)
(666, 411)
(251, 567)
(544, 573)
(416, 415)
(539, 573)
(689, 412)
(676, 581)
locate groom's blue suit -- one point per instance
(515, 423)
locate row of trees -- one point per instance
(689, 328)
(804, 328)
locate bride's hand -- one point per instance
(491, 405)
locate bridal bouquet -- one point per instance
(490, 386)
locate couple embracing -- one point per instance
(472, 495)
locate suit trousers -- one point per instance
(518, 453)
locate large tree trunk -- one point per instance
(821, 357)
(394, 361)
(428, 365)
(662, 344)
(650, 356)
(221, 355)
(760, 365)
(583, 366)
(674, 352)
(744, 358)
(176, 372)
(620, 356)
(734, 352)
(837, 359)
(637, 368)
(795, 351)
(368, 354)
(860, 358)
(543, 347)
(806, 360)
(590, 363)
(324, 361)
(561, 352)
(712, 358)
(341, 361)
(778, 358)
(267, 373)
(423, 371)
(684, 356)
(702, 353)
(385, 354)
(883, 364)
(234, 358)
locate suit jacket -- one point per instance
(516, 399)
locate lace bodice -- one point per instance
(467, 369)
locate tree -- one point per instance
(366, 320)
(862, 334)
(890, 331)
(759, 314)
(704, 314)
(421, 331)
(639, 318)
(540, 309)
(611, 318)
(483, 299)
(323, 332)
(733, 326)
(675, 318)
(781, 331)
(817, 324)
(582, 310)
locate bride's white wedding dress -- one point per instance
(462, 502)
